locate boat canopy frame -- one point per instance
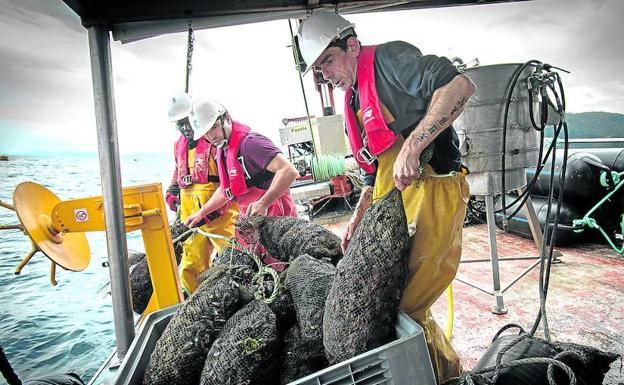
(132, 20)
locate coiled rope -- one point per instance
(467, 378)
(259, 278)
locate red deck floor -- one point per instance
(584, 305)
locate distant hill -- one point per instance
(595, 125)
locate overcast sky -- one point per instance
(46, 99)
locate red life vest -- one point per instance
(231, 173)
(379, 136)
(200, 173)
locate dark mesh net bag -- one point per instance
(588, 364)
(135, 257)
(309, 280)
(244, 349)
(299, 357)
(362, 305)
(235, 257)
(179, 354)
(283, 306)
(239, 263)
(140, 282)
(286, 238)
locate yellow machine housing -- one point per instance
(56, 228)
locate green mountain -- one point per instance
(595, 125)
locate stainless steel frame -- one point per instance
(110, 174)
(496, 292)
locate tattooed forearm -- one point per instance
(423, 135)
(442, 122)
(433, 129)
(430, 131)
(458, 105)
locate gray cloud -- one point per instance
(45, 66)
(45, 80)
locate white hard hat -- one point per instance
(203, 116)
(317, 32)
(180, 107)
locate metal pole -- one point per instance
(328, 109)
(108, 149)
(473, 285)
(499, 259)
(499, 308)
(525, 272)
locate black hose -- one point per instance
(545, 264)
(7, 371)
(538, 169)
(508, 326)
(512, 86)
(526, 193)
(542, 124)
(523, 197)
(549, 242)
(546, 240)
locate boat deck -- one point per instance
(584, 305)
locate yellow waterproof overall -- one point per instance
(197, 249)
(437, 204)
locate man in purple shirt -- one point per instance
(252, 170)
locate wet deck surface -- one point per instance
(585, 302)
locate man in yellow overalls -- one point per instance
(399, 106)
(195, 179)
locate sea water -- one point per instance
(68, 327)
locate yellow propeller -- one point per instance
(34, 205)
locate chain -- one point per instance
(189, 54)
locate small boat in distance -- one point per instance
(4, 157)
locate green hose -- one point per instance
(325, 167)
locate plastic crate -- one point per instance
(404, 361)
